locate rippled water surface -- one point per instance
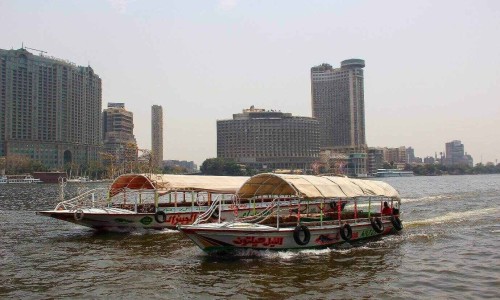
(448, 249)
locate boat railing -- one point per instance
(216, 203)
(261, 216)
(90, 199)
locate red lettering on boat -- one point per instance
(259, 241)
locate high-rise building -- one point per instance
(410, 155)
(338, 104)
(118, 133)
(50, 109)
(455, 154)
(157, 135)
(268, 139)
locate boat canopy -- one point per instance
(165, 183)
(313, 187)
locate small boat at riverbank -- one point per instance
(80, 179)
(19, 179)
(393, 173)
(358, 213)
(149, 201)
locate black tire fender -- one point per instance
(160, 216)
(346, 236)
(396, 223)
(78, 215)
(296, 235)
(377, 225)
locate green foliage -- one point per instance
(19, 164)
(221, 167)
(436, 169)
(174, 170)
(386, 165)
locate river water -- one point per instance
(449, 249)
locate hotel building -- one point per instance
(50, 109)
(268, 139)
(337, 100)
(338, 103)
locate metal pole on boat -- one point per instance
(278, 215)
(339, 208)
(356, 209)
(192, 201)
(156, 200)
(220, 205)
(369, 207)
(254, 209)
(321, 211)
(62, 184)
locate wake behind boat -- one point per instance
(360, 209)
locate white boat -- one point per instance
(146, 201)
(19, 179)
(79, 179)
(393, 173)
(358, 214)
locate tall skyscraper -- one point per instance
(268, 139)
(338, 104)
(50, 109)
(118, 132)
(157, 134)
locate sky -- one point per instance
(432, 70)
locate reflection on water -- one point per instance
(446, 250)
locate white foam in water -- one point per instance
(454, 216)
(423, 199)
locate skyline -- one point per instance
(431, 72)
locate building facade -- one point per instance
(269, 139)
(190, 166)
(338, 104)
(375, 160)
(118, 133)
(157, 135)
(50, 109)
(456, 155)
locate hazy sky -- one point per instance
(432, 70)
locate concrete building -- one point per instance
(157, 135)
(269, 139)
(338, 104)
(429, 160)
(118, 133)
(375, 160)
(50, 109)
(395, 155)
(410, 155)
(456, 155)
(190, 166)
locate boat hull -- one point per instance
(217, 238)
(122, 220)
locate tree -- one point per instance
(212, 166)
(387, 165)
(174, 170)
